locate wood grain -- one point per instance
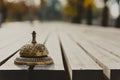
(81, 66)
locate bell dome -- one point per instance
(33, 54)
(33, 50)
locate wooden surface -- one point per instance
(80, 64)
(79, 52)
(55, 71)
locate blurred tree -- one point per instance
(49, 10)
(32, 10)
(89, 5)
(79, 5)
(89, 15)
(75, 9)
(118, 19)
(43, 10)
(17, 10)
(54, 10)
(1, 5)
(3, 10)
(105, 14)
(69, 11)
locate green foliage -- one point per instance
(72, 8)
(69, 11)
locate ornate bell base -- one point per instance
(33, 61)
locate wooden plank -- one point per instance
(93, 34)
(107, 61)
(79, 63)
(55, 71)
(110, 33)
(105, 40)
(12, 37)
(109, 37)
(111, 48)
(8, 52)
(12, 33)
(15, 72)
(8, 49)
(10, 71)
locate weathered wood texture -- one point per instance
(81, 66)
(55, 71)
(106, 59)
(79, 52)
(10, 71)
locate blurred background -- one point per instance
(91, 12)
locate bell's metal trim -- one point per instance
(33, 61)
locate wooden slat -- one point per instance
(105, 38)
(104, 34)
(12, 37)
(12, 33)
(15, 72)
(108, 33)
(55, 71)
(106, 60)
(19, 37)
(11, 50)
(79, 63)
(10, 71)
(104, 44)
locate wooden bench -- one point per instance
(14, 72)
(79, 52)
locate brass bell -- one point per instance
(33, 54)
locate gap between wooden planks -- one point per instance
(13, 71)
(80, 65)
(106, 60)
(55, 71)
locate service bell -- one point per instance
(33, 54)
